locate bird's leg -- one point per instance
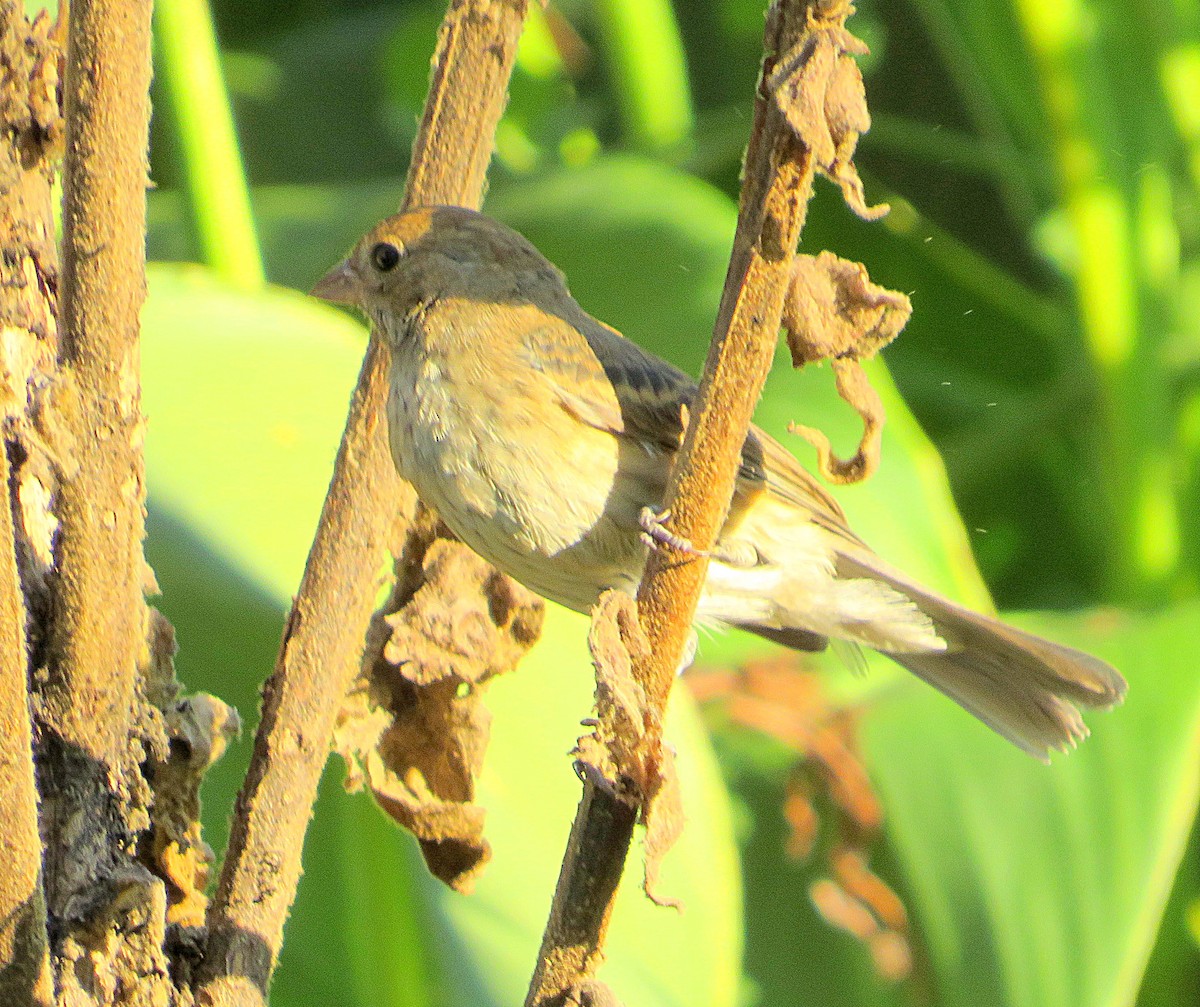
(655, 532)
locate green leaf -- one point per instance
(189, 68)
(642, 44)
(1038, 885)
(246, 398)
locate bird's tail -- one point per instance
(1023, 687)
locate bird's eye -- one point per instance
(384, 257)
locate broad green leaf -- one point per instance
(1042, 885)
(246, 397)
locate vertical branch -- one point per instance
(323, 637)
(97, 628)
(775, 192)
(95, 430)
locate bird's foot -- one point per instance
(655, 532)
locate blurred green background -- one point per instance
(1043, 163)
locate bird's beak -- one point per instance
(339, 286)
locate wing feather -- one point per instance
(622, 389)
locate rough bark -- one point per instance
(804, 41)
(32, 134)
(79, 648)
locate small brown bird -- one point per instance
(544, 438)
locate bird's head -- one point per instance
(427, 254)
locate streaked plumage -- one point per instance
(539, 434)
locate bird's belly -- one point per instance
(535, 500)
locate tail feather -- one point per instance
(1020, 685)
(1033, 718)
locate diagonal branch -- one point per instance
(323, 636)
(777, 185)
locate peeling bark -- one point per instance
(32, 136)
(414, 727)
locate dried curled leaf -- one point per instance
(199, 729)
(855, 389)
(181, 737)
(833, 311)
(622, 748)
(414, 728)
(819, 90)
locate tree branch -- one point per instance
(323, 636)
(90, 427)
(776, 189)
(97, 628)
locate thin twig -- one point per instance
(774, 198)
(323, 637)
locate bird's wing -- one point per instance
(788, 480)
(612, 384)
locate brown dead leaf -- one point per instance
(197, 731)
(834, 312)
(855, 389)
(819, 90)
(663, 817)
(620, 748)
(414, 728)
(183, 737)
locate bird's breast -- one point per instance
(513, 474)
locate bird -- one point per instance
(544, 439)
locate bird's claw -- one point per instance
(741, 555)
(656, 533)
